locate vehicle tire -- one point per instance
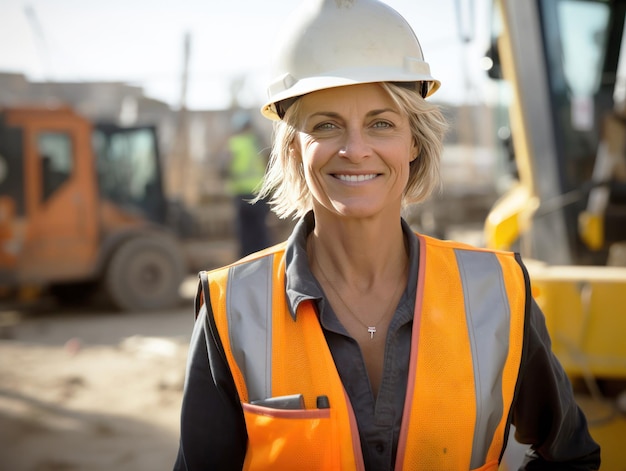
(145, 273)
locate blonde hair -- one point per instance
(284, 184)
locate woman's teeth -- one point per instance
(356, 178)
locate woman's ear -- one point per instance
(415, 151)
(294, 150)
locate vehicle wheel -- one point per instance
(145, 273)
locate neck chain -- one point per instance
(371, 329)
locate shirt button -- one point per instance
(380, 448)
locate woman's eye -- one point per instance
(382, 124)
(324, 126)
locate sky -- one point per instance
(141, 42)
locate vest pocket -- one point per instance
(303, 439)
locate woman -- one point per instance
(358, 344)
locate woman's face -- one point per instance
(355, 145)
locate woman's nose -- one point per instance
(355, 146)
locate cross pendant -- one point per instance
(372, 331)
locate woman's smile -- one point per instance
(349, 178)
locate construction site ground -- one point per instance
(91, 390)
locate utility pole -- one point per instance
(42, 46)
(179, 164)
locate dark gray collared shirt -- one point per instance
(213, 434)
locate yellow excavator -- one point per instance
(563, 63)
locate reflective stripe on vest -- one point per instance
(483, 296)
(467, 337)
(249, 310)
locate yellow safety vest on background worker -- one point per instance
(247, 167)
(466, 347)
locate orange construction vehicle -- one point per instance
(82, 206)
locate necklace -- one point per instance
(371, 329)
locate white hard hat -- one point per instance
(332, 43)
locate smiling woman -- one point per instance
(358, 343)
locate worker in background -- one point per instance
(358, 343)
(243, 168)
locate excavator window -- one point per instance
(128, 169)
(12, 165)
(582, 41)
(576, 34)
(55, 152)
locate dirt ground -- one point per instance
(90, 391)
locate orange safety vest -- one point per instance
(465, 357)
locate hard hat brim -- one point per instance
(313, 84)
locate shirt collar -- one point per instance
(301, 285)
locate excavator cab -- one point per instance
(565, 64)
